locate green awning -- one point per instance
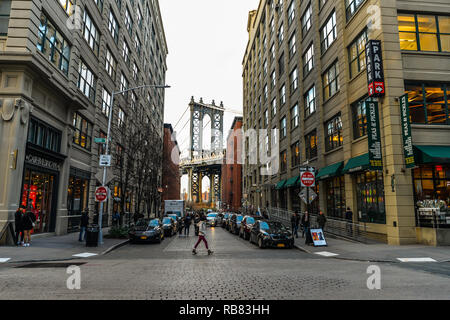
(432, 154)
(357, 164)
(330, 171)
(280, 185)
(291, 182)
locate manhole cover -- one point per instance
(51, 265)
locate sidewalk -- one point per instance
(51, 248)
(379, 252)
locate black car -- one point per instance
(271, 234)
(169, 226)
(247, 225)
(235, 223)
(146, 230)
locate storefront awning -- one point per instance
(432, 154)
(280, 185)
(292, 182)
(357, 164)
(330, 171)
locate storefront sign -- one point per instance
(375, 75)
(318, 237)
(406, 132)
(374, 135)
(41, 162)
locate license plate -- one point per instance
(280, 245)
(144, 238)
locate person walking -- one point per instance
(305, 223)
(84, 222)
(294, 224)
(201, 237)
(180, 226)
(306, 226)
(18, 216)
(116, 218)
(187, 224)
(349, 218)
(28, 223)
(321, 220)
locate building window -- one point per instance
(428, 102)
(273, 79)
(119, 162)
(359, 118)
(266, 93)
(106, 102)
(121, 118)
(294, 117)
(53, 45)
(308, 60)
(311, 145)
(291, 12)
(328, 33)
(333, 133)
(90, 33)
(351, 6)
(135, 71)
(282, 95)
(86, 81)
(133, 101)
(99, 4)
(126, 53)
(113, 27)
(292, 48)
(128, 22)
(420, 32)
(274, 107)
(331, 81)
(306, 20)
(67, 5)
(110, 64)
(137, 44)
(336, 197)
(83, 131)
(5, 10)
(280, 35)
(123, 84)
(139, 18)
(283, 161)
(294, 80)
(265, 68)
(322, 3)
(44, 136)
(266, 118)
(283, 128)
(272, 52)
(370, 197)
(281, 65)
(357, 54)
(295, 153)
(310, 101)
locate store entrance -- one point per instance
(38, 189)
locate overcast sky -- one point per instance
(206, 41)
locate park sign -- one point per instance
(375, 74)
(406, 132)
(374, 136)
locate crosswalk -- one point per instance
(3, 260)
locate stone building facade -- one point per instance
(171, 179)
(304, 73)
(60, 62)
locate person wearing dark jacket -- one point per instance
(28, 220)
(305, 223)
(321, 219)
(306, 226)
(84, 222)
(187, 224)
(349, 218)
(18, 216)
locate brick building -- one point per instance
(171, 182)
(232, 168)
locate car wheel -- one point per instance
(260, 243)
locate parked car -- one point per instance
(235, 223)
(169, 226)
(229, 221)
(271, 234)
(211, 219)
(219, 218)
(146, 230)
(223, 222)
(247, 225)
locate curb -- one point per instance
(116, 246)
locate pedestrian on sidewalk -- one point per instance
(305, 223)
(349, 218)
(180, 226)
(201, 237)
(295, 224)
(84, 222)
(116, 219)
(321, 220)
(306, 226)
(28, 223)
(187, 224)
(18, 217)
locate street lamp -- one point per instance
(100, 218)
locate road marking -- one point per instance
(416, 259)
(85, 255)
(2, 260)
(326, 254)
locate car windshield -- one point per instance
(212, 215)
(174, 217)
(225, 216)
(239, 218)
(154, 223)
(167, 221)
(142, 223)
(272, 226)
(250, 220)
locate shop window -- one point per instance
(370, 197)
(335, 189)
(77, 200)
(333, 133)
(311, 145)
(428, 103)
(83, 131)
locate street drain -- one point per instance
(51, 265)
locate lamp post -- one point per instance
(100, 218)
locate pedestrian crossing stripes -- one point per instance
(427, 259)
(326, 254)
(2, 260)
(85, 255)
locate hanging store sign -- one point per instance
(375, 74)
(41, 162)
(406, 132)
(374, 136)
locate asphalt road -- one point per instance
(236, 270)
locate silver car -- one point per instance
(212, 219)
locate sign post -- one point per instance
(406, 132)
(307, 179)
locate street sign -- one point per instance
(100, 140)
(304, 195)
(374, 66)
(101, 194)
(105, 160)
(307, 179)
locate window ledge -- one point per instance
(363, 71)
(427, 53)
(334, 95)
(309, 116)
(428, 126)
(359, 139)
(334, 150)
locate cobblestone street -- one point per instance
(237, 270)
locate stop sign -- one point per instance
(307, 179)
(101, 194)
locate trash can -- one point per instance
(92, 236)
